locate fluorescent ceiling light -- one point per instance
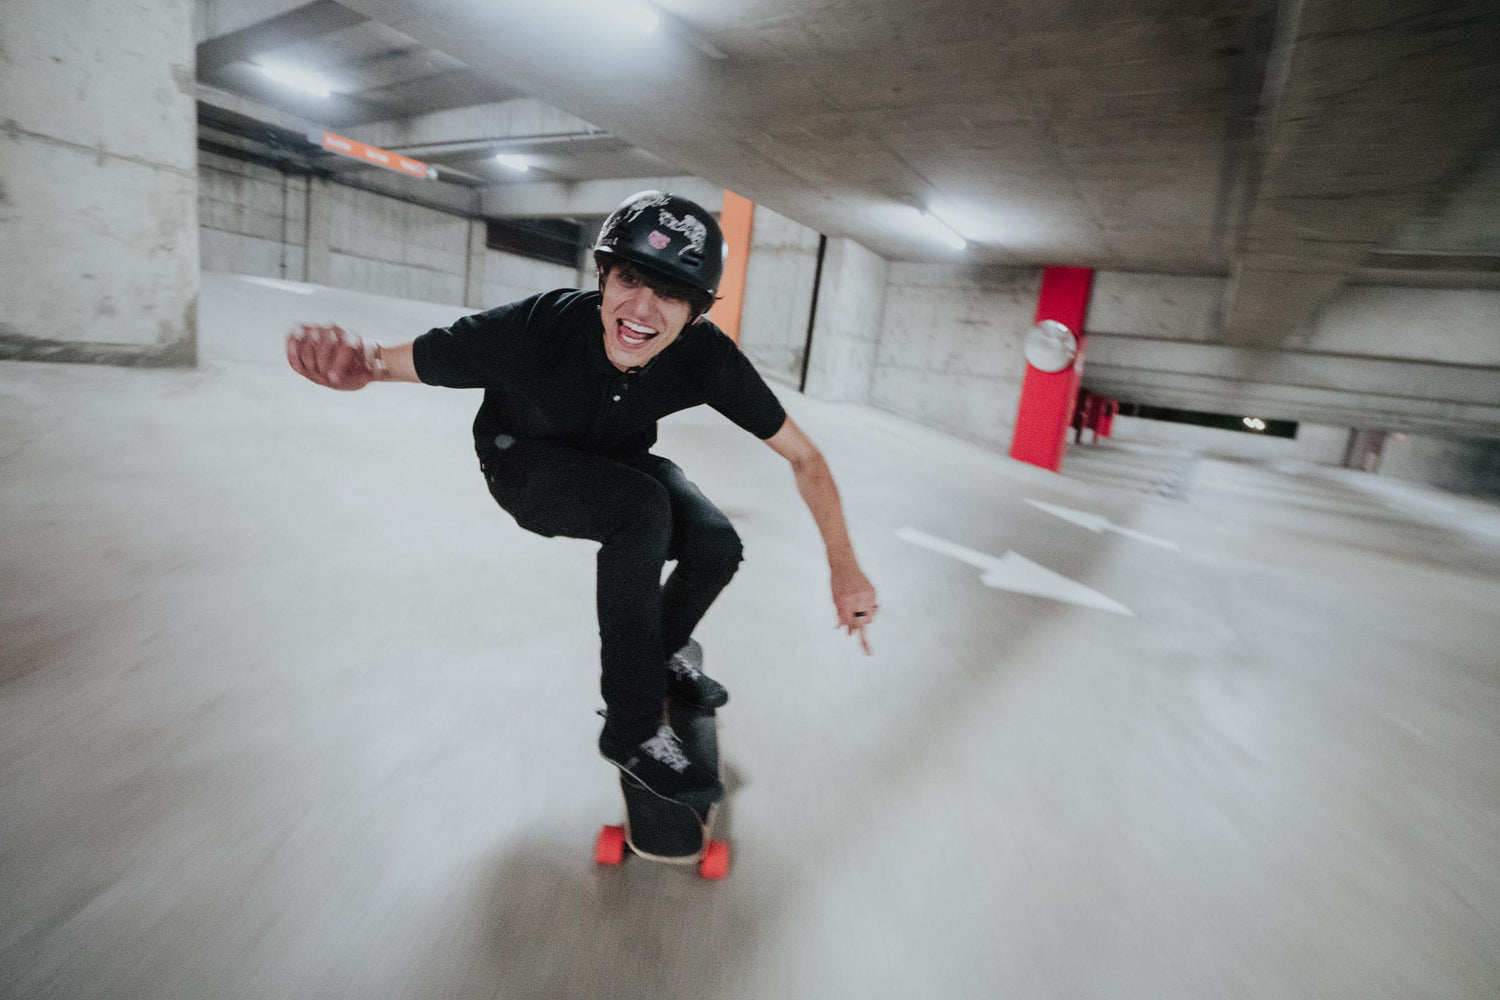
(308, 83)
(513, 161)
(945, 232)
(1254, 423)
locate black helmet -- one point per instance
(667, 234)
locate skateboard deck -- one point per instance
(659, 829)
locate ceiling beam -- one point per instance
(297, 131)
(590, 198)
(1310, 370)
(299, 23)
(1371, 112)
(1297, 385)
(244, 107)
(499, 121)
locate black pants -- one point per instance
(643, 511)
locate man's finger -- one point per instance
(338, 362)
(297, 350)
(327, 344)
(863, 642)
(307, 351)
(292, 357)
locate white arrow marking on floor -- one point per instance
(1014, 572)
(1097, 523)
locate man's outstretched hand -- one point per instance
(854, 598)
(331, 356)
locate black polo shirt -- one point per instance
(542, 366)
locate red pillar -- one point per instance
(1047, 398)
(1107, 422)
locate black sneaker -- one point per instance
(687, 683)
(659, 765)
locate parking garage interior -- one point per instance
(1202, 702)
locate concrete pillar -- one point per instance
(474, 272)
(846, 328)
(1364, 450)
(316, 263)
(98, 183)
(781, 268)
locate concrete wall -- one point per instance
(949, 354)
(259, 221)
(98, 211)
(1317, 443)
(846, 337)
(1454, 325)
(508, 277)
(778, 294)
(252, 219)
(1175, 307)
(778, 299)
(1450, 325)
(1462, 465)
(377, 244)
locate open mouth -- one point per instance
(632, 335)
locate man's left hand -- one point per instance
(854, 598)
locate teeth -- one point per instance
(646, 330)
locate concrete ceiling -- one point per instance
(1289, 148)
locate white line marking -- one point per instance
(1014, 572)
(1097, 523)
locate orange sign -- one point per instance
(357, 150)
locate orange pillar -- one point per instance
(738, 222)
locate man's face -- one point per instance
(638, 323)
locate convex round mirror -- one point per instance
(1050, 346)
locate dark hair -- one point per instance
(667, 287)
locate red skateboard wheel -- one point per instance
(610, 847)
(715, 863)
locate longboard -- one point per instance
(659, 829)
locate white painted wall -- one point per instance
(1454, 325)
(1316, 443)
(1462, 465)
(949, 354)
(97, 182)
(778, 294)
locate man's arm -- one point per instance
(853, 595)
(333, 357)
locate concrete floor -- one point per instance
(288, 708)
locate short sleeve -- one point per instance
(743, 396)
(478, 351)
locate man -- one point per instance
(574, 384)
